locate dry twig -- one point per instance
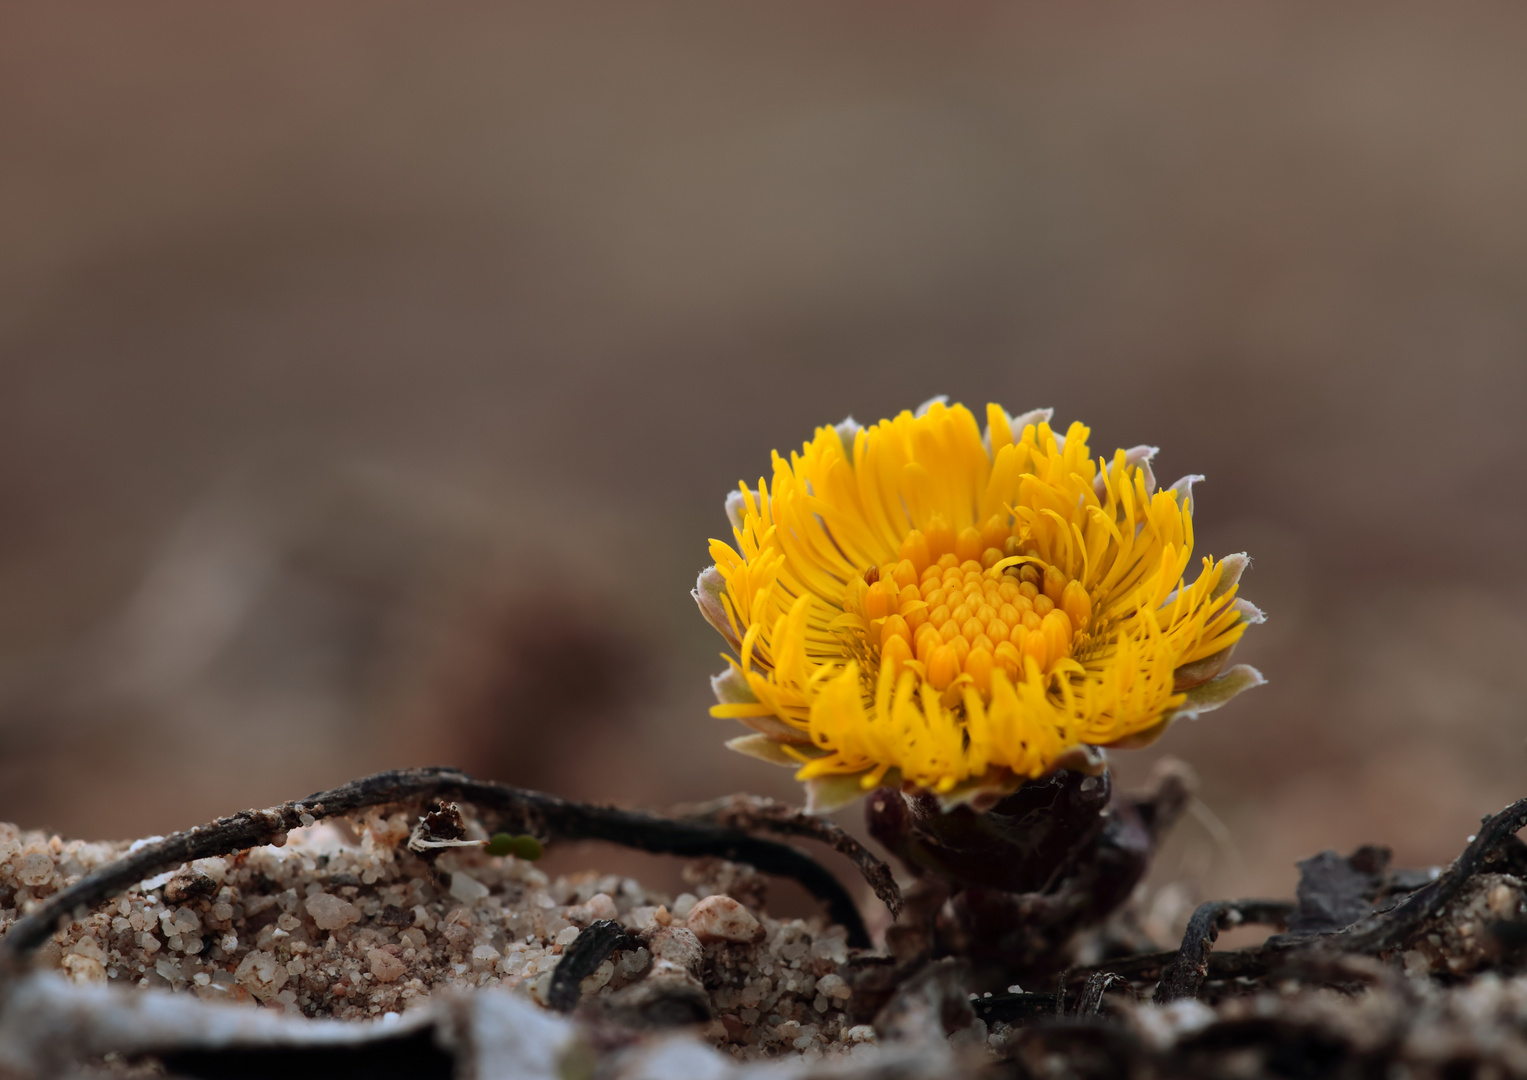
(754, 813)
(513, 808)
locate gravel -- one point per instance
(342, 921)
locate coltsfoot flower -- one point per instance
(922, 603)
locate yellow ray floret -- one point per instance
(925, 602)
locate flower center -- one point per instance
(953, 616)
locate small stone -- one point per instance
(330, 912)
(540, 987)
(412, 938)
(601, 906)
(833, 986)
(683, 905)
(720, 918)
(677, 946)
(642, 918)
(84, 969)
(834, 949)
(595, 982)
(183, 921)
(90, 947)
(386, 967)
(466, 888)
(34, 869)
(484, 957)
(860, 1033)
(633, 963)
(260, 974)
(214, 867)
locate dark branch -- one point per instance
(513, 809)
(1391, 929)
(1098, 984)
(1014, 1008)
(754, 813)
(1186, 973)
(583, 957)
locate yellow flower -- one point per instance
(924, 603)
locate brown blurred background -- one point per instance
(371, 375)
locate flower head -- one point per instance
(920, 602)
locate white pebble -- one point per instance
(84, 969)
(595, 982)
(678, 946)
(34, 869)
(214, 867)
(633, 963)
(834, 987)
(599, 906)
(467, 888)
(183, 921)
(830, 948)
(88, 946)
(720, 918)
(642, 918)
(330, 912)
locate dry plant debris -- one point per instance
(343, 921)
(1376, 971)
